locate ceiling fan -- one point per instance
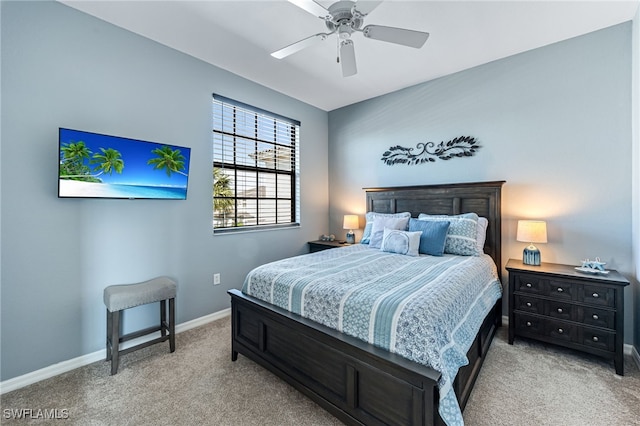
(345, 18)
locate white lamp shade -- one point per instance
(351, 221)
(532, 231)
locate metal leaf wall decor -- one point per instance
(462, 146)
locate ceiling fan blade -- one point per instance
(366, 6)
(348, 58)
(402, 36)
(312, 7)
(299, 45)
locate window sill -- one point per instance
(260, 228)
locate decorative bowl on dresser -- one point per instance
(556, 304)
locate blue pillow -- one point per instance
(462, 237)
(434, 235)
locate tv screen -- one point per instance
(100, 166)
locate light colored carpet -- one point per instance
(524, 384)
(531, 383)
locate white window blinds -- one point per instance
(255, 167)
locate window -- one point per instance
(255, 168)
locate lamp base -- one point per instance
(531, 256)
(351, 237)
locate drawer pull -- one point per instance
(560, 331)
(560, 289)
(528, 285)
(559, 310)
(595, 338)
(596, 295)
(529, 304)
(528, 323)
(595, 317)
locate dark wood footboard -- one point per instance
(355, 381)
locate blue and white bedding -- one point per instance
(425, 308)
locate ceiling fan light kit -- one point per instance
(345, 18)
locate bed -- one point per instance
(357, 381)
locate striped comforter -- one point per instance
(427, 309)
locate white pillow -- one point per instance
(381, 222)
(401, 242)
(371, 216)
(483, 222)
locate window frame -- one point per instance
(292, 196)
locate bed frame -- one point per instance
(356, 381)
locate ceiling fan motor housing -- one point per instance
(342, 18)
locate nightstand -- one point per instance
(320, 245)
(556, 304)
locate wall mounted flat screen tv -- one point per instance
(93, 165)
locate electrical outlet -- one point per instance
(216, 279)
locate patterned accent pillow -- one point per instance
(401, 242)
(434, 235)
(366, 234)
(379, 225)
(462, 234)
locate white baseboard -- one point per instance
(634, 354)
(628, 349)
(64, 366)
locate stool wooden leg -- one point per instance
(163, 318)
(108, 335)
(172, 325)
(115, 341)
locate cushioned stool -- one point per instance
(120, 297)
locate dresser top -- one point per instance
(567, 271)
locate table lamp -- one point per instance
(351, 222)
(531, 231)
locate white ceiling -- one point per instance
(239, 36)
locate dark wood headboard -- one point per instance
(483, 198)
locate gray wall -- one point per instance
(62, 68)
(554, 122)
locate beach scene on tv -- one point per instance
(93, 165)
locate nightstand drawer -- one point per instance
(561, 331)
(529, 304)
(529, 324)
(599, 339)
(597, 295)
(561, 290)
(596, 317)
(560, 310)
(529, 284)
